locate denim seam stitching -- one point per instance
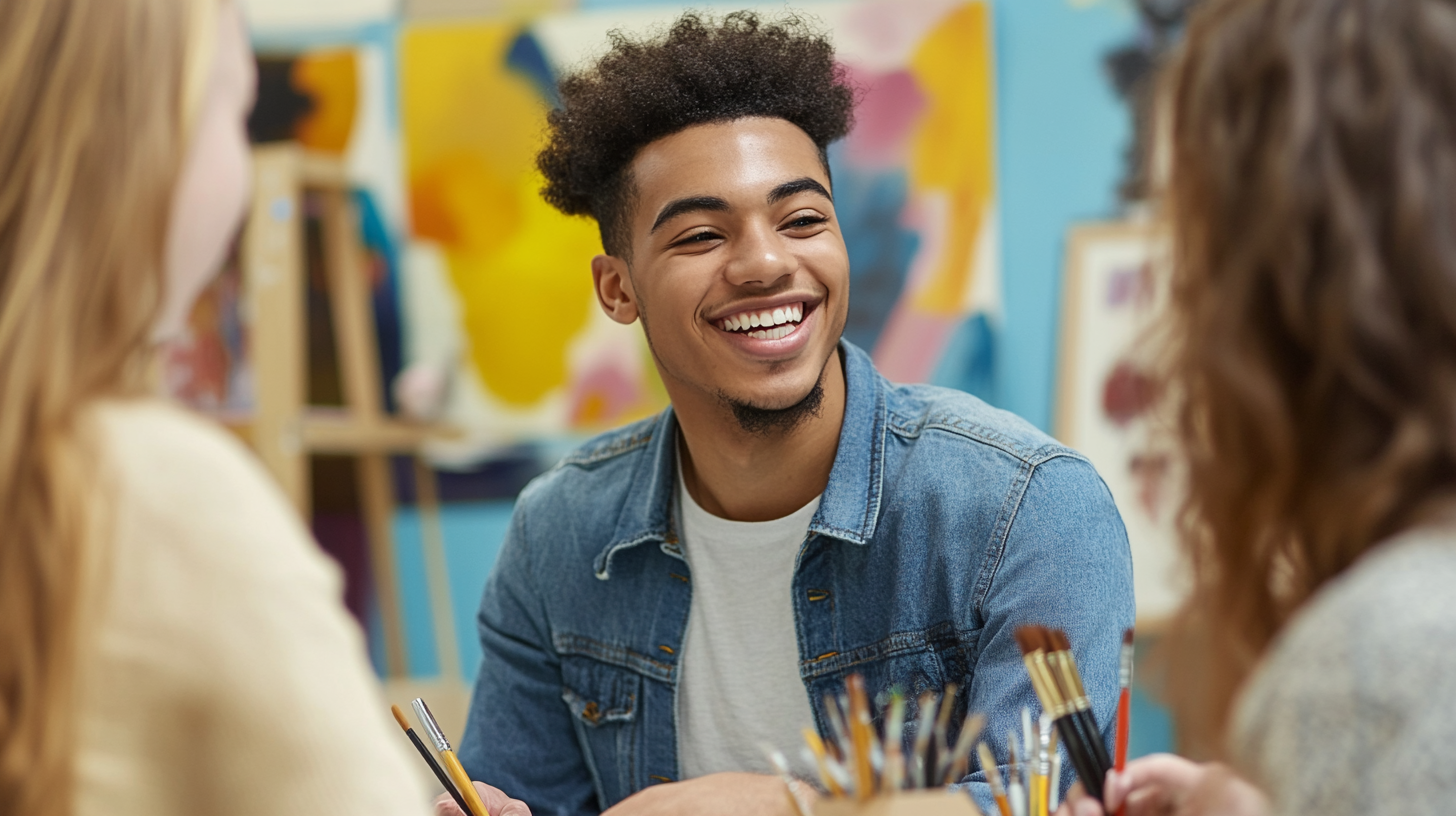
(977, 433)
(610, 450)
(1000, 535)
(901, 643)
(877, 457)
(617, 656)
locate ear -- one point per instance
(614, 288)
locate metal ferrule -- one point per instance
(1124, 669)
(431, 727)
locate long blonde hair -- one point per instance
(96, 100)
(1311, 195)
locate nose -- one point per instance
(760, 258)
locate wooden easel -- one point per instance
(284, 430)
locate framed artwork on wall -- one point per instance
(1112, 292)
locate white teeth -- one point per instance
(776, 333)
(772, 321)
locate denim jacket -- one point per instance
(945, 525)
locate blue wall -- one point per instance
(1061, 136)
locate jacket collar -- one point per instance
(848, 509)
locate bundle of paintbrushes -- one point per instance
(1033, 781)
(860, 762)
(1048, 657)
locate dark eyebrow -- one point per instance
(687, 205)
(798, 185)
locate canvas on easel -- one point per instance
(1113, 290)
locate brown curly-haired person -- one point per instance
(680, 592)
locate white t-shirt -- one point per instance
(740, 685)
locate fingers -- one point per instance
(495, 801)
(1152, 786)
(1164, 770)
(498, 803)
(445, 806)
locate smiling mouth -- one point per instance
(765, 324)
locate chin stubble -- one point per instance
(770, 421)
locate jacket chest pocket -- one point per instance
(604, 702)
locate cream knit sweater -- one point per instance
(220, 673)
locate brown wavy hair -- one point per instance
(1311, 201)
(96, 97)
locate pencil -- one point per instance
(447, 756)
(440, 774)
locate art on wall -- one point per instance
(1111, 295)
(497, 292)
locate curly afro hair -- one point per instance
(701, 71)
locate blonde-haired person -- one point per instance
(171, 641)
(1312, 204)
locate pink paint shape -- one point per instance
(885, 119)
(603, 393)
(911, 344)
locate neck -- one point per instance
(743, 476)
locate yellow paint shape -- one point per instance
(522, 269)
(953, 153)
(331, 79)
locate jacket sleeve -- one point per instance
(1063, 562)
(519, 736)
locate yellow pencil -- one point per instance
(447, 758)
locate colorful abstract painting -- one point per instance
(508, 278)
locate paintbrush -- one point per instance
(1054, 779)
(940, 743)
(894, 774)
(861, 733)
(447, 756)
(1044, 763)
(834, 713)
(821, 759)
(1015, 789)
(445, 781)
(993, 778)
(960, 756)
(924, 729)
(1124, 704)
(1029, 638)
(1060, 657)
(776, 757)
(1028, 743)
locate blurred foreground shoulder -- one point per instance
(1353, 707)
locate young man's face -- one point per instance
(738, 268)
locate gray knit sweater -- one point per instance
(1354, 710)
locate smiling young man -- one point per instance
(680, 592)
